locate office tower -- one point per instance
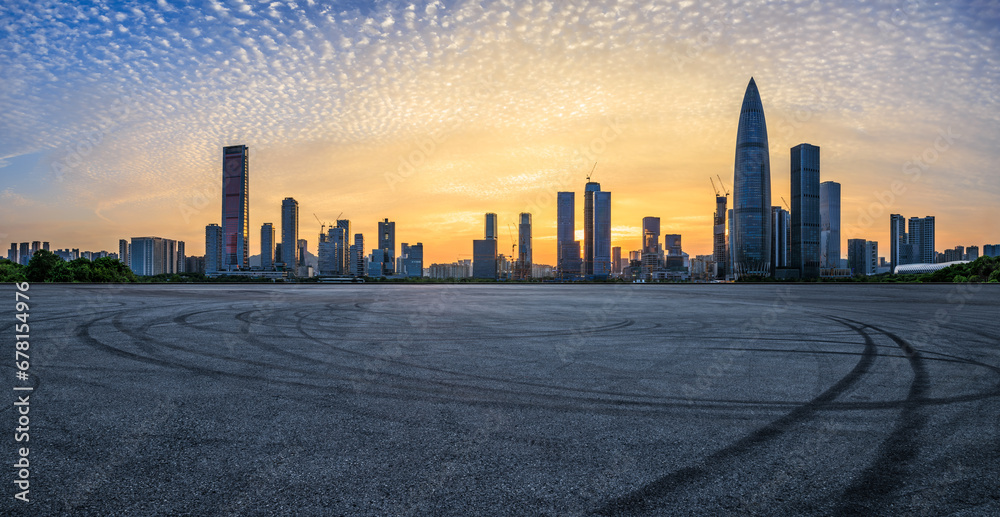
(12, 252)
(411, 260)
(719, 236)
(123, 251)
(357, 253)
(565, 228)
(572, 262)
(588, 227)
(730, 246)
(672, 244)
(289, 233)
(524, 259)
(829, 224)
(752, 190)
(616, 260)
(341, 242)
(302, 246)
(897, 241)
(377, 263)
(651, 227)
(491, 231)
(596, 231)
(235, 207)
(484, 258)
(267, 246)
(780, 225)
(805, 210)
(387, 243)
(921, 238)
(213, 248)
(23, 254)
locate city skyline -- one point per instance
(657, 112)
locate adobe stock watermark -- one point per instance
(899, 17)
(425, 146)
(913, 171)
(723, 361)
(78, 152)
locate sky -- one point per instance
(113, 115)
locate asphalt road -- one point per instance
(509, 400)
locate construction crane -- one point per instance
(510, 231)
(591, 172)
(786, 204)
(723, 185)
(714, 187)
(322, 225)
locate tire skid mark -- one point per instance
(873, 489)
(645, 498)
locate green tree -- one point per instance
(41, 265)
(11, 272)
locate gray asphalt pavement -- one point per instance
(509, 400)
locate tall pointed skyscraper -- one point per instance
(752, 190)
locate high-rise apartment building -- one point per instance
(213, 248)
(235, 207)
(357, 253)
(921, 237)
(123, 251)
(805, 210)
(752, 190)
(862, 257)
(829, 224)
(289, 233)
(151, 256)
(24, 253)
(267, 246)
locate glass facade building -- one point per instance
(387, 243)
(267, 246)
(565, 228)
(235, 207)
(719, 237)
(805, 210)
(213, 248)
(289, 233)
(602, 235)
(752, 190)
(829, 224)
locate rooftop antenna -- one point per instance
(591, 172)
(723, 185)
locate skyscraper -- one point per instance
(524, 260)
(235, 207)
(616, 260)
(565, 228)
(719, 250)
(267, 246)
(921, 238)
(12, 253)
(779, 238)
(491, 227)
(752, 190)
(289, 233)
(596, 231)
(341, 244)
(387, 243)
(23, 255)
(805, 210)
(651, 235)
(302, 247)
(213, 248)
(357, 252)
(862, 257)
(897, 242)
(829, 224)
